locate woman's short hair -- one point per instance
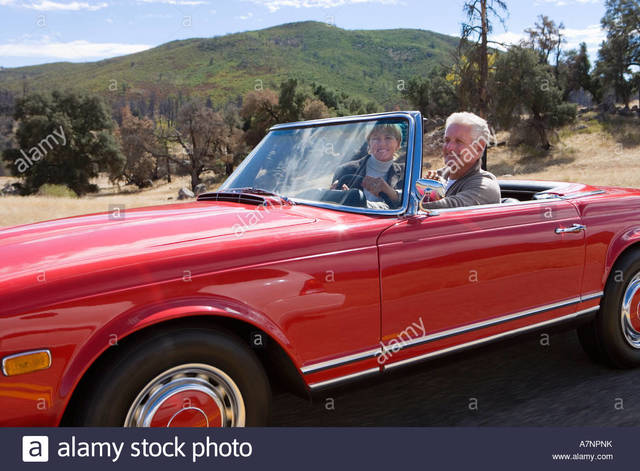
(479, 127)
(387, 128)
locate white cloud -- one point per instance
(177, 2)
(275, 5)
(562, 3)
(508, 38)
(71, 50)
(49, 5)
(592, 35)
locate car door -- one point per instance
(464, 275)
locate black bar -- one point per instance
(324, 449)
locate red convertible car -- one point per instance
(190, 314)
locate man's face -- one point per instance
(460, 153)
(383, 146)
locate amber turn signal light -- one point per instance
(26, 362)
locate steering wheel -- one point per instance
(351, 180)
(351, 197)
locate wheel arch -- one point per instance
(276, 361)
(624, 243)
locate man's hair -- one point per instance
(479, 127)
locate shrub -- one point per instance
(56, 191)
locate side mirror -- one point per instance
(429, 190)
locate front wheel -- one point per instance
(614, 335)
(181, 378)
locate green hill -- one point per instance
(361, 63)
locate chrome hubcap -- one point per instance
(630, 312)
(190, 395)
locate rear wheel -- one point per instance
(182, 378)
(614, 335)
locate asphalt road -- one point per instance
(518, 382)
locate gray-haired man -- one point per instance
(466, 137)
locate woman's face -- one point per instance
(383, 146)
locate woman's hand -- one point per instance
(334, 186)
(377, 186)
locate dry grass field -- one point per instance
(15, 210)
(588, 152)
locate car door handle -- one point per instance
(572, 229)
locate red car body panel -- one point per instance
(110, 278)
(470, 266)
(332, 288)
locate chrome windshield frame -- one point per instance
(414, 148)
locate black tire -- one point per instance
(604, 337)
(590, 343)
(108, 401)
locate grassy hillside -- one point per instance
(365, 64)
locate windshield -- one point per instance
(358, 164)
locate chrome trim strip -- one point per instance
(344, 378)
(340, 361)
(344, 119)
(488, 339)
(30, 352)
(547, 200)
(590, 296)
(480, 207)
(447, 333)
(580, 194)
(483, 324)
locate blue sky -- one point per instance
(39, 31)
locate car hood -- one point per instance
(34, 249)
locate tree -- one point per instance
(526, 93)
(576, 72)
(260, 111)
(546, 37)
(314, 109)
(474, 40)
(138, 142)
(290, 102)
(237, 148)
(613, 67)
(341, 104)
(434, 96)
(64, 139)
(621, 50)
(201, 133)
(328, 97)
(7, 105)
(579, 69)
